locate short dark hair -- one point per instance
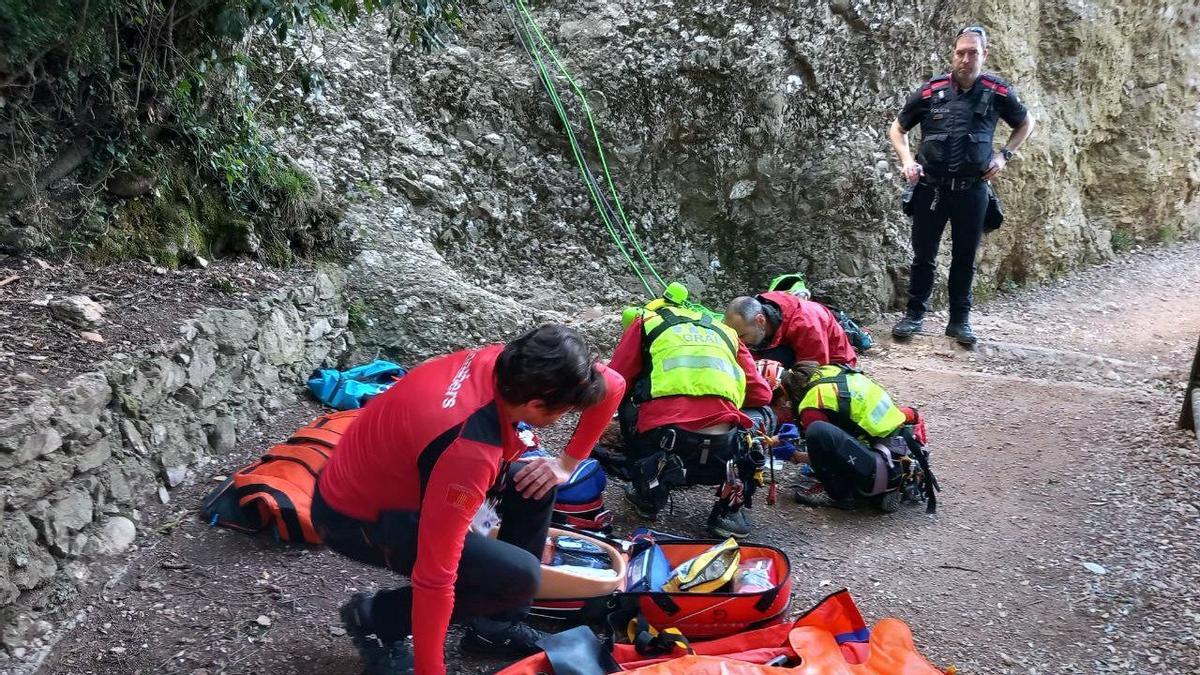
(551, 363)
(974, 30)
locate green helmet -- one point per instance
(628, 315)
(793, 282)
(675, 293)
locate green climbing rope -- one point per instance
(613, 217)
(540, 52)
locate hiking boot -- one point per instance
(356, 619)
(814, 494)
(515, 639)
(962, 333)
(724, 524)
(392, 659)
(906, 327)
(889, 502)
(644, 508)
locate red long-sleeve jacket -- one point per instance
(690, 413)
(808, 332)
(438, 432)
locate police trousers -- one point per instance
(931, 208)
(497, 578)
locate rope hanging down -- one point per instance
(540, 52)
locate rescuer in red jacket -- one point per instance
(414, 484)
(700, 427)
(783, 327)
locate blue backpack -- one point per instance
(859, 338)
(579, 502)
(350, 389)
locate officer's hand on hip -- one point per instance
(912, 172)
(997, 165)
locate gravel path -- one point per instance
(1065, 542)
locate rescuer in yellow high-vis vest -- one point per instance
(854, 435)
(693, 392)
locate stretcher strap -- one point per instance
(649, 641)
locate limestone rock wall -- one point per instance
(78, 463)
(747, 139)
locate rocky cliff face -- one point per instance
(747, 139)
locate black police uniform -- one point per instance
(956, 150)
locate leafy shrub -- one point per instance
(125, 96)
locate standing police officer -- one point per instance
(957, 112)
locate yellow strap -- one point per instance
(638, 625)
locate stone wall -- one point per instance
(746, 138)
(78, 463)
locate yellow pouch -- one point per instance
(708, 571)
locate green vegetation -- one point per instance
(224, 285)
(356, 313)
(140, 117)
(1122, 241)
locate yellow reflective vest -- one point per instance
(688, 353)
(854, 400)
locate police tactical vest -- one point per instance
(956, 134)
(854, 400)
(688, 353)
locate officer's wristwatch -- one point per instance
(1007, 154)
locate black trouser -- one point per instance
(844, 465)
(669, 457)
(965, 209)
(497, 578)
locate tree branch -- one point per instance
(49, 48)
(63, 165)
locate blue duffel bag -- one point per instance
(579, 502)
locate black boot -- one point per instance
(391, 659)
(723, 523)
(495, 638)
(356, 619)
(906, 327)
(646, 506)
(961, 332)
(889, 502)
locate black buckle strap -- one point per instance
(955, 184)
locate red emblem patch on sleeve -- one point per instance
(462, 498)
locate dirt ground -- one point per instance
(142, 304)
(1054, 441)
